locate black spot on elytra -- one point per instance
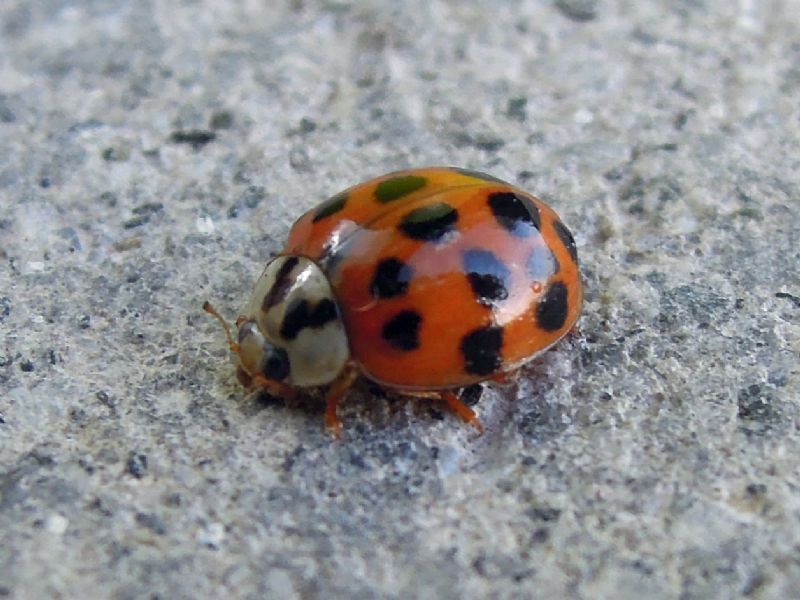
(515, 213)
(402, 330)
(281, 286)
(299, 316)
(566, 238)
(481, 350)
(542, 264)
(397, 187)
(391, 278)
(429, 223)
(276, 364)
(552, 310)
(477, 175)
(487, 275)
(330, 207)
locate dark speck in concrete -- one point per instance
(692, 303)
(5, 308)
(300, 161)
(152, 522)
(248, 200)
(136, 222)
(109, 199)
(793, 299)
(540, 535)
(543, 513)
(54, 357)
(148, 208)
(115, 154)
(307, 125)
(196, 138)
(680, 120)
(104, 398)
(292, 457)
(222, 119)
(756, 489)
(6, 114)
(758, 409)
(578, 10)
(517, 109)
(137, 465)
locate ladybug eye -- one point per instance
(276, 363)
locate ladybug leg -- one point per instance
(276, 388)
(336, 392)
(454, 404)
(503, 377)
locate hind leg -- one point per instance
(452, 403)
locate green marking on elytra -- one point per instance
(331, 206)
(397, 187)
(430, 212)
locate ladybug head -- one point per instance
(291, 331)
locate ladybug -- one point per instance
(422, 281)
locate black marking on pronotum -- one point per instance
(481, 350)
(551, 313)
(487, 275)
(299, 316)
(566, 238)
(542, 264)
(430, 222)
(276, 364)
(477, 175)
(281, 285)
(397, 187)
(391, 278)
(515, 213)
(330, 207)
(402, 330)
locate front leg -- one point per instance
(336, 392)
(276, 388)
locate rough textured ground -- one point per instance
(153, 154)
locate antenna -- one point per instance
(213, 312)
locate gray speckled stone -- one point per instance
(154, 154)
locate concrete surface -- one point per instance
(155, 153)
